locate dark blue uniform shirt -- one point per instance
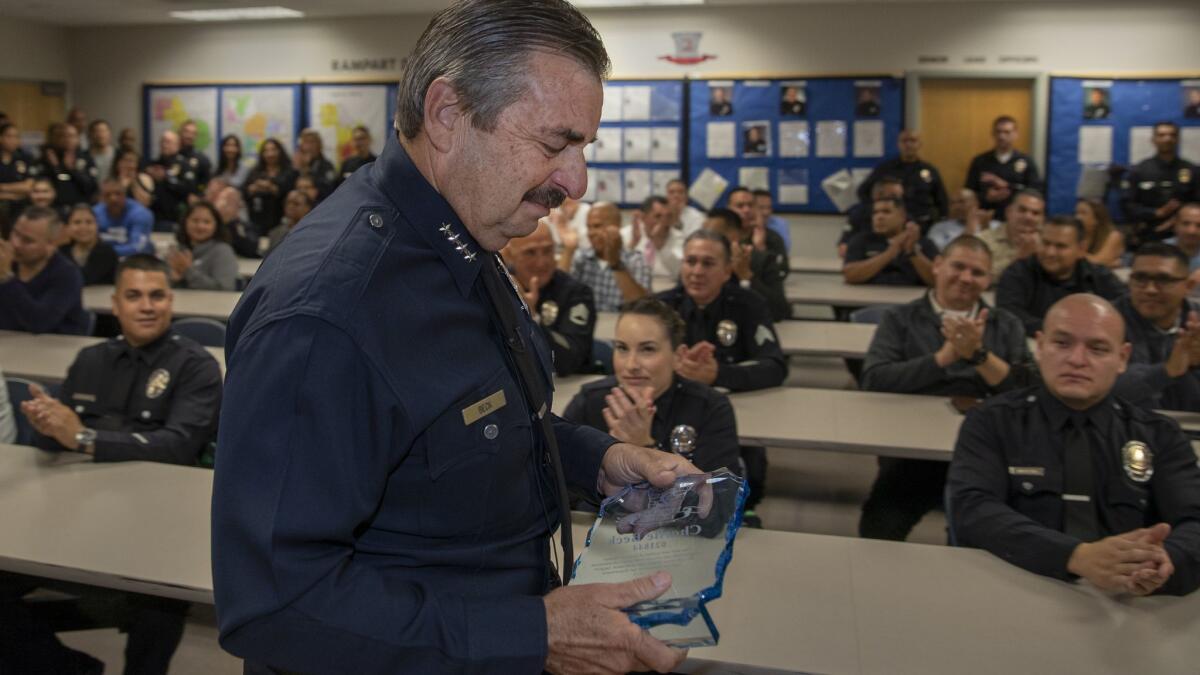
(382, 502)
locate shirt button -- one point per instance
(1027, 486)
(1031, 398)
(145, 414)
(491, 431)
(78, 408)
(375, 220)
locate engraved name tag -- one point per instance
(1027, 470)
(79, 396)
(477, 411)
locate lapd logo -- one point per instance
(683, 440)
(80, 164)
(1138, 461)
(1019, 166)
(1185, 175)
(21, 168)
(157, 384)
(579, 314)
(926, 176)
(193, 161)
(549, 312)
(726, 333)
(174, 171)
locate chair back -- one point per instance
(208, 332)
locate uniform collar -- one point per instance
(148, 351)
(429, 214)
(1058, 414)
(662, 404)
(689, 306)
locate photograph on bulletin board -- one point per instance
(1097, 100)
(793, 98)
(868, 100)
(756, 139)
(1191, 99)
(720, 101)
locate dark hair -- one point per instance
(223, 165)
(884, 181)
(97, 122)
(762, 193)
(1165, 123)
(666, 315)
(5, 126)
(737, 189)
(1069, 221)
(308, 200)
(47, 180)
(42, 213)
(1104, 223)
(727, 216)
(649, 202)
(969, 242)
(482, 47)
(708, 235)
(1002, 120)
(1030, 192)
(363, 128)
(220, 234)
(1157, 249)
(81, 206)
(285, 162)
(897, 203)
(144, 262)
(121, 154)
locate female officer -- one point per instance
(72, 170)
(268, 184)
(16, 175)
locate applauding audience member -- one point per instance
(138, 184)
(615, 274)
(1018, 238)
(204, 259)
(40, 290)
(892, 253)
(95, 257)
(124, 223)
(965, 218)
(70, 168)
(230, 166)
(1104, 243)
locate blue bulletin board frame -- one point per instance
(827, 98)
(666, 111)
(1134, 102)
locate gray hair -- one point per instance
(482, 47)
(40, 213)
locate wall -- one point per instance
(33, 51)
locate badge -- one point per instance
(683, 440)
(193, 161)
(926, 176)
(174, 170)
(1019, 166)
(157, 383)
(549, 312)
(1138, 461)
(80, 164)
(579, 314)
(1146, 185)
(21, 168)
(726, 332)
(763, 335)
(1185, 175)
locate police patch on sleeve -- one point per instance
(578, 314)
(727, 332)
(549, 312)
(157, 383)
(763, 335)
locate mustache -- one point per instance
(545, 196)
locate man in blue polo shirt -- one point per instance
(123, 222)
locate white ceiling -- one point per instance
(116, 12)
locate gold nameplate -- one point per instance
(80, 396)
(477, 411)
(1027, 470)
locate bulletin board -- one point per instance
(842, 123)
(335, 109)
(253, 112)
(1112, 127)
(640, 145)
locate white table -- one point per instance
(829, 289)
(806, 338)
(247, 267)
(820, 265)
(45, 358)
(188, 302)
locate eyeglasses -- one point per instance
(1143, 279)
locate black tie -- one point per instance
(1078, 492)
(502, 293)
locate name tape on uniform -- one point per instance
(477, 411)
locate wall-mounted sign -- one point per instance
(363, 64)
(687, 49)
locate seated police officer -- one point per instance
(1163, 327)
(761, 271)
(892, 253)
(948, 343)
(768, 252)
(1066, 480)
(147, 395)
(1031, 285)
(562, 306)
(174, 181)
(647, 403)
(859, 217)
(40, 289)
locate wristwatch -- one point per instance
(86, 438)
(978, 357)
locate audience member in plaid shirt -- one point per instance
(615, 275)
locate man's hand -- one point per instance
(741, 260)
(758, 236)
(531, 293)
(1149, 580)
(1167, 209)
(637, 227)
(629, 415)
(6, 260)
(965, 334)
(977, 220)
(50, 417)
(1026, 243)
(626, 464)
(699, 363)
(180, 261)
(1166, 225)
(1185, 353)
(612, 247)
(588, 633)
(1118, 563)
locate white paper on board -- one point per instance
(664, 145)
(659, 179)
(635, 105)
(589, 153)
(707, 188)
(831, 138)
(1189, 144)
(613, 103)
(637, 144)
(755, 177)
(1095, 144)
(722, 140)
(1093, 182)
(793, 139)
(839, 186)
(637, 185)
(793, 194)
(868, 138)
(858, 176)
(1141, 144)
(608, 186)
(608, 144)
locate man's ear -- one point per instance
(444, 114)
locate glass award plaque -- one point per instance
(687, 530)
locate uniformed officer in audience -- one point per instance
(763, 272)
(1067, 480)
(389, 473)
(1153, 191)
(17, 171)
(40, 289)
(197, 162)
(361, 138)
(999, 174)
(174, 181)
(69, 166)
(1018, 237)
(647, 403)
(924, 192)
(1059, 268)
(1163, 326)
(947, 343)
(562, 306)
(1187, 236)
(148, 395)
(859, 217)
(764, 204)
(893, 253)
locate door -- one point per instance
(33, 106)
(956, 120)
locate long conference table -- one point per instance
(45, 358)
(801, 338)
(791, 602)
